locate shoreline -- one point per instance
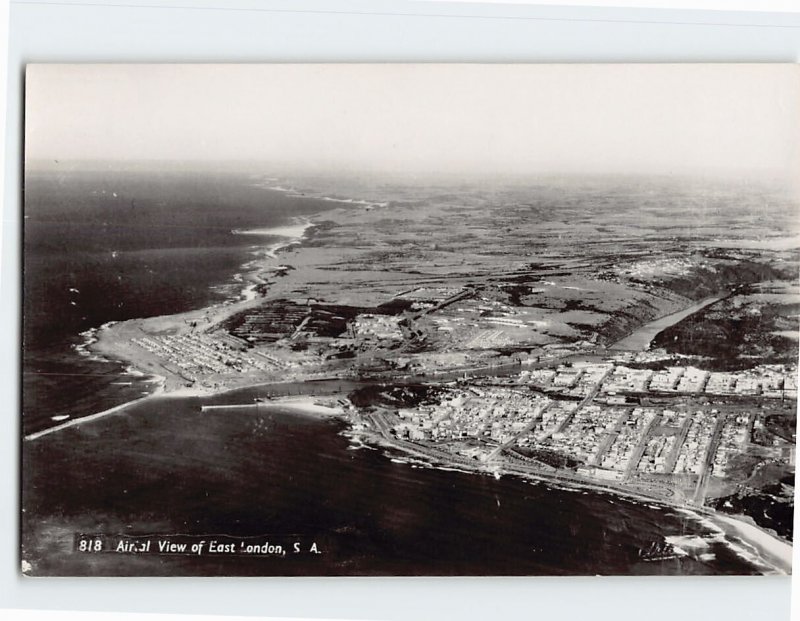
(766, 545)
(294, 234)
(95, 345)
(304, 403)
(771, 551)
(768, 550)
(111, 341)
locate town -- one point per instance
(672, 435)
(644, 422)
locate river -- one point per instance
(640, 339)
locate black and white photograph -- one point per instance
(409, 319)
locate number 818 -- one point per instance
(90, 545)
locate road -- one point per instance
(669, 466)
(379, 423)
(636, 456)
(517, 436)
(611, 436)
(567, 420)
(587, 399)
(702, 482)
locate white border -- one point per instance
(782, 6)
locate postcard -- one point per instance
(410, 320)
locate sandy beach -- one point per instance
(767, 548)
(114, 340)
(293, 233)
(307, 404)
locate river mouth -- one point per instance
(168, 469)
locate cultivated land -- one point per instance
(639, 338)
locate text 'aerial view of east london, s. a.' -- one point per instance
(307, 320)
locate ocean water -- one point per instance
(162, 467)
(166, 468)
(104, 246)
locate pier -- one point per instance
(232, 406)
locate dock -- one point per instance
(234, 406)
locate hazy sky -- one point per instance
(424, 118)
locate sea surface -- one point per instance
(103, 246)
(107, 246)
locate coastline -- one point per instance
(109, 339)
(762, 548)
(294, 233)
(292, 192)
(769, 548)
(109, 342)
(300, 403)
(307, 404)
(113, 339)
